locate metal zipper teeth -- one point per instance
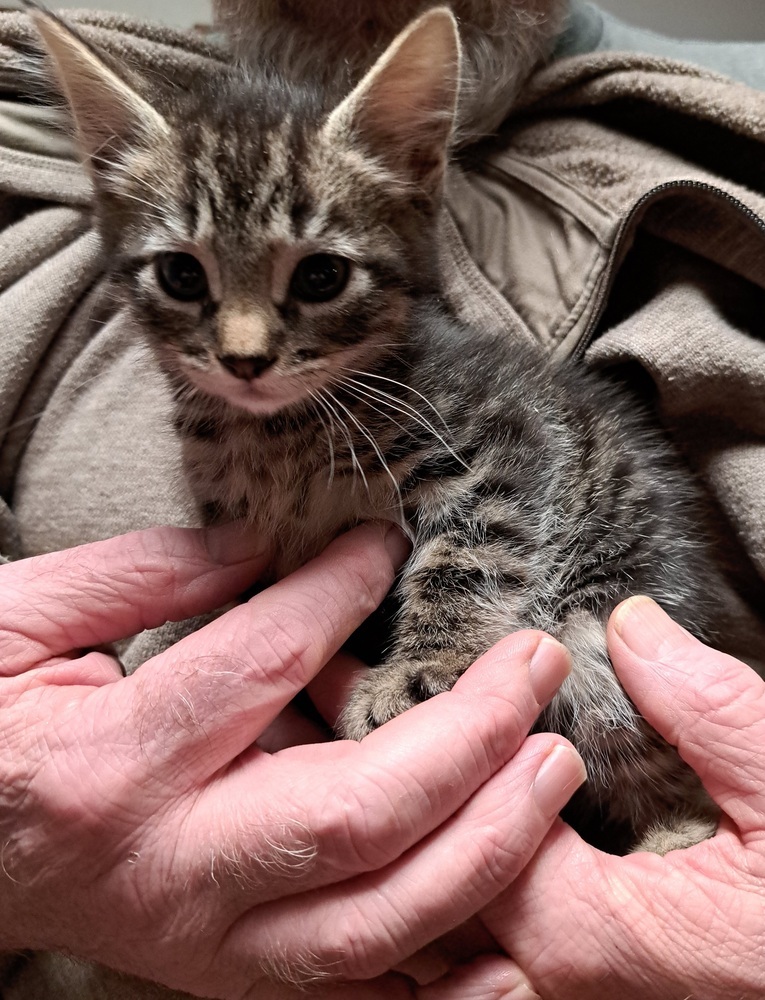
(624, 228)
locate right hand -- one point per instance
(591, 926)
(142, 827)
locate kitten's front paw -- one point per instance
(391, 689)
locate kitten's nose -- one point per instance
(247, 368)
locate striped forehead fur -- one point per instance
(279, 174)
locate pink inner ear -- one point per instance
(404, 108)
(107, 111)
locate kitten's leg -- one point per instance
(636, 779)
(455, 602)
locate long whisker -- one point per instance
(381, 458)
(406, 409)
(351, 387)
(119, 167)
(329, 430)
(142, 201)
(402, 385)
(347, 435)
(125, 172)
(40, 413)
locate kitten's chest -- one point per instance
(290, 488)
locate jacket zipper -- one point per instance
(621, 235)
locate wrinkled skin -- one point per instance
(586, 926)
(142, 826)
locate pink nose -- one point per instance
(247, 368)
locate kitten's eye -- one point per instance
(320, 277)
(181, 276)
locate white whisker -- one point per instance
(127, 175)
(37, 416)
(347, 435)
(365, 431)
(329, 430)
(141, 201)
(402, 385)
(350, 386)
(406, 409)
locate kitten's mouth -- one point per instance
(263, 395)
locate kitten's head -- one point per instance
(265, 240)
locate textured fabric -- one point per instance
(618, 217)
(590, 29)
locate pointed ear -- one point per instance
(108, 113)
(403, 110)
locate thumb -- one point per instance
(491, 977)
(706, 703)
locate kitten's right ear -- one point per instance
(108, 113)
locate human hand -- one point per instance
(141, 825)
(588, 926)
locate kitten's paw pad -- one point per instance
(388, 692)
(676, 834)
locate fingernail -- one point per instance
(233, 543)
(561, 773)
(646, 629)
(398, 545)
(523, 992)
(549, 667)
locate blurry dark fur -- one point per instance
(536, 496)
(335, 43)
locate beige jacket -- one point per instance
(618, 219)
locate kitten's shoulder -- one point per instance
(440, 333)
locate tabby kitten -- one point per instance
(279, 251)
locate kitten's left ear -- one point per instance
(109, 114)
(403, 110)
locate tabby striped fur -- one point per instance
(535, 497)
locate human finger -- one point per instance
(292, 727)
(483, 847)
(97, 593)
(706, 703)
(89, 670)
(331, 688)
(457, 947)
(231, 679)
(389, 987)
(358, 807)
(314, 719)
(490, 977)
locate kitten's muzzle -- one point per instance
(247, 368)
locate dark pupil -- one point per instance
(181, 276)
(320, 277)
